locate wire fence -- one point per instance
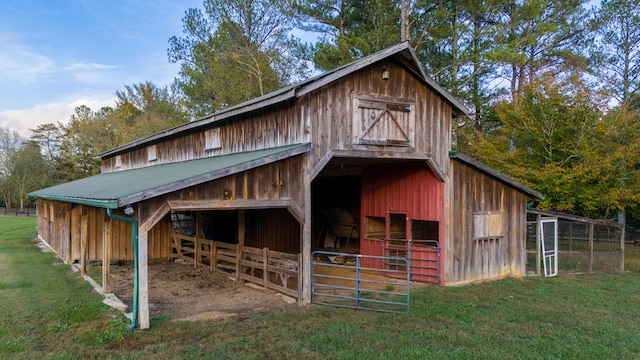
(18, 211)
(584, 245)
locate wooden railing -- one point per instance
(271, 269)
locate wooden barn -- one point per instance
(356, 159)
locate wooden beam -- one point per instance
(157, 215)
(306, 233)
(84, 240)
(195, 205)
(622, 235)
(106, 255)
(591, 227)
(321, 164)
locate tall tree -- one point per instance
(557, 138)
(48, 137)
(144, 109)
(539, 36)
(452, 38)
(10, 143)
(350, 29)
(86, 135)
(612, 182)
(28, 171)
(237, 50)
(617, 30)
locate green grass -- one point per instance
(49, 312)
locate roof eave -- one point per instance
(101, 203)
(496, 174)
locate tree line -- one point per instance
(552, 86)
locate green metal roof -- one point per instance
(116, 189)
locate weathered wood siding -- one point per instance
(54, 226)
(276, 228)
(325, 117)
(261, 129)
(63, 232)
(333, 109)
(486, 223)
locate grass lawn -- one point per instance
(49, 312)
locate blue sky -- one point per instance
(57, 55)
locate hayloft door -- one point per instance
(549, 245)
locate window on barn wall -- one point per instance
(213, 139)
(151, 153)
(486, 225)
(383, 121)
(118, 162)
(425, 232)
(374, 227)
(398, 226)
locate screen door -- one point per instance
(549, 243)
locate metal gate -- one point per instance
(424, 256)
(345, 280)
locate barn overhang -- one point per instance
(332, 158)
(121, 188)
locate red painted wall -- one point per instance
(407, 187)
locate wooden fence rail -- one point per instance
(271, 269)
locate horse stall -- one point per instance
(263, 250)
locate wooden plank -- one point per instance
(265, 266)
(84, 240)
(106, 256)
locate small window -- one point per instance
(487, 225)
(397, 226)
(427, 232)
(118, 162)
(374, 227)
(151, 153)
(213, 139)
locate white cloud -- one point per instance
(24, 120)
(20, 65)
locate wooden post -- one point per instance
(538, 244)
(570, 235)
(306, 232)
(241, 236)
(214, 256)
(265, 266)
(590, 247)
(84, 240)
(106, 255)
(299, 278)
(196, 245)
(143, 278)
(622, 230)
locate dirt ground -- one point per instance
(182, 292)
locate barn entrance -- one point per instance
(336, 213)
(382, 209)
